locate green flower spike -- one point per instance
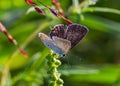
(54, 63)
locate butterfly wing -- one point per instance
(59, 31)
(63, 44)
(51, 44)
(75, 33)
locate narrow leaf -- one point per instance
(101, 9)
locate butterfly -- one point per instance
(63, 38)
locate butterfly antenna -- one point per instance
(51, 27)
(67, 57)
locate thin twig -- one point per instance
(57, 4)
(11, 39)
(53, 11)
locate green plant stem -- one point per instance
(77, 9)
(53, 64)
(83, 4)
(5, 75)
(32, 36)
(101, 9)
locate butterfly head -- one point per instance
(41, 35)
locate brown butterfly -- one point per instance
(63, 38)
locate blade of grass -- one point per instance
(99, 74)
(101, 9)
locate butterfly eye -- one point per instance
(62, 55)
(48, 45)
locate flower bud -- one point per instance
(53, 11)
(60, 81)
(30, 2)
(23, 52)
(39, 10)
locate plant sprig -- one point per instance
(53, 64)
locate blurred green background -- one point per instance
(93, 62)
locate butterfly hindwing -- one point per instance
(63, 44)
(46, 40)
(75, 32)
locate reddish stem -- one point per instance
(11, 39)
(57, 4)
(60, 10)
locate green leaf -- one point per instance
(102, 24)
(100, 74)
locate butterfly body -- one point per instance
(63, 38)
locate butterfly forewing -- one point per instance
(75, 33)
(46, 40)
(59, 31)
(58, 48)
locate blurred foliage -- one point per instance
(93, 62)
